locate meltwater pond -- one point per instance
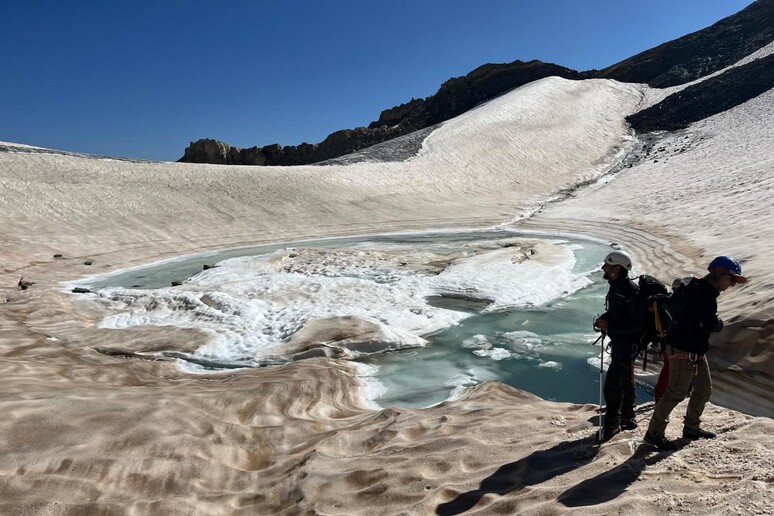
(425, 314)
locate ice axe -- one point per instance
(601, 373)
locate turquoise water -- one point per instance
(545, 350)
(420, 377)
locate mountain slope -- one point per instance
(700, 53)
(707, 98)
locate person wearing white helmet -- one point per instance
(687, 345)
(624, 322)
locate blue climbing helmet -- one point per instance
(730, 264)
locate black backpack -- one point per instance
(656, 300)
(662, 309)
(679, 288)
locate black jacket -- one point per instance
(698, 317)
(624, 312)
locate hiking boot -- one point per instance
(628, 424)
(608, 432)
(660, 442)
(698, 434)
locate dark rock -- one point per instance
(272, 153)
(207, 151)
(700, 53)
(177, 283)
(252, 156)
(88, 262)
(393, 116)
(234, 156)
(24, 285)
(206, 267)
(707, 98)
(80, 290)
(57, 255)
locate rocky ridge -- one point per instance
(700, 53)
(707, 98)
(455, 96)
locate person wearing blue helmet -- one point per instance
(687, 345)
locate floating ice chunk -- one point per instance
(520, 335)
(477, 342)
(550, 365)
(513, 276)
(494, 353)
(524, 341)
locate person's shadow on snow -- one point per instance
(611, 484)
(533, 469)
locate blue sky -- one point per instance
(143, 78)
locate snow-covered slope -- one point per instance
(482, 168)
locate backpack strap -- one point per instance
(659, 327)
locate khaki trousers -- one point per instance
(681, 375)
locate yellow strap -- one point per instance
(659, 327)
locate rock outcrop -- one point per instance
(707, 98)
(212, 151)
(700, 53)
(335, 145)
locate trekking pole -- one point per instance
(601, 372)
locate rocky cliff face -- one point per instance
(700, 53)
(335, 145)
(676, 62)
(707, 98)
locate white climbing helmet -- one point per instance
(619, 258)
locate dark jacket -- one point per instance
(624, 312)
(698, 317)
